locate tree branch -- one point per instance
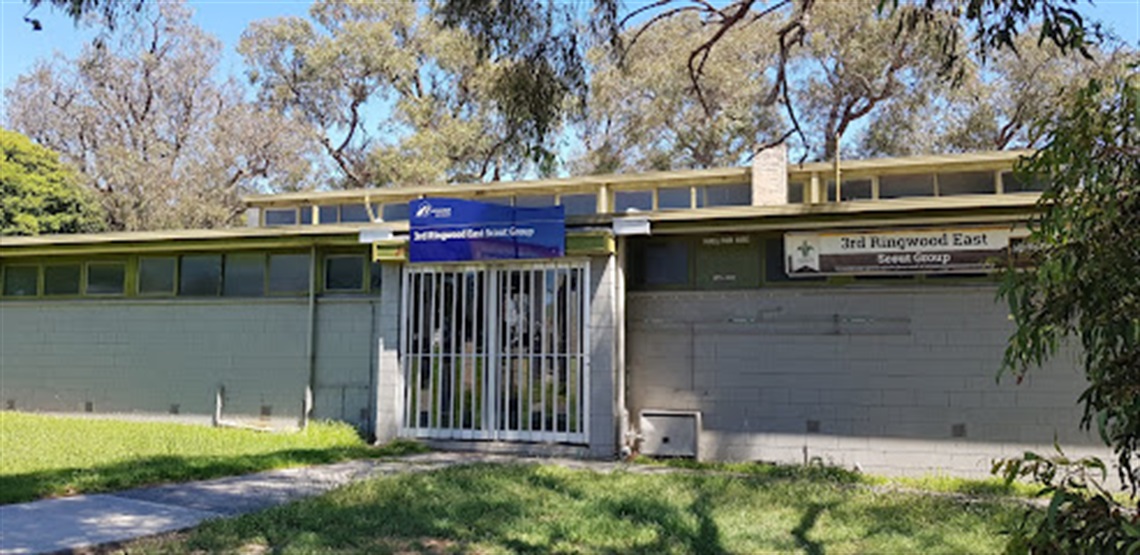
(705, 49)
(657, 18)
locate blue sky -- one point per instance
(21, 47)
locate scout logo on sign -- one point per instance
(972, 250)
(453, 230)
(804, 255)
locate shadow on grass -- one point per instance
(522, 509)
(535, 509)
(671, 523)
(923, 522)
(807, 522)
(30, 486)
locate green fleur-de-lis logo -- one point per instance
(805, 249)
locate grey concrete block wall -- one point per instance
(388, 404)
(346, 359)
(898, 380)
(145, 356)
(603, 409)
(148, 355)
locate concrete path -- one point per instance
(87, 521)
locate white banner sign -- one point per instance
(939, 250)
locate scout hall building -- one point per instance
(748, 313)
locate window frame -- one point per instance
(638, 272)
(269, 255)
(632, 195)
(87, 265)
(62, 263)
(39, 286)
(574, 203)
(264, 268)
(266, 211)
(219, 283)
(364, 277)
(174, 278)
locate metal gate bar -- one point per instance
(496, 352)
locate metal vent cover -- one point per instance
(670, 433)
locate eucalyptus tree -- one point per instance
(643, 114)
(957, 30)
(400, 96)
(108, 12)
(1083, 288)
(1008, 101)
(853, 63)
(145, 120)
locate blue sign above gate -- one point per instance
(454, 230)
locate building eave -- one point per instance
(567, 185)
(906, 211)
(186, 239)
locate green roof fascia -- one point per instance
(180, 245)
(578, 243)
(390, 250)
(590, 243)
(810, 221)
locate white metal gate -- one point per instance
(496, 352)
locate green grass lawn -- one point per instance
(544, 509)
(45, 456)
(993, 486)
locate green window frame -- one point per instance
(244, 274)
(343, 266)
(63, 279)
(672, 254)
(200, 275)
(288, 274)
(27, 274)
(157, 276)
(105, 278)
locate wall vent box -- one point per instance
(670, 433)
